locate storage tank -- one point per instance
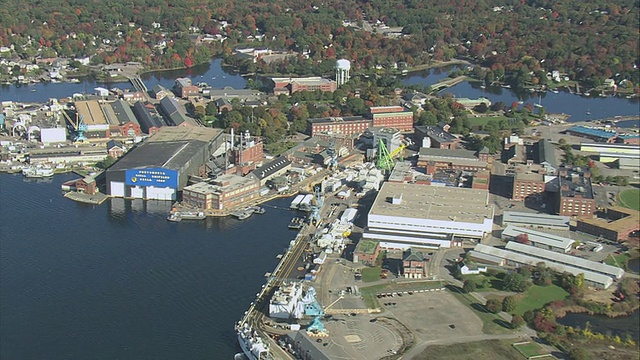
(343, 66)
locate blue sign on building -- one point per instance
(157, 177)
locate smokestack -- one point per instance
(231, 138)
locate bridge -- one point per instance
(138, 85)
(449, 82)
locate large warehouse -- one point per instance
(429, 216)
(160, 167)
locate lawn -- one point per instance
(619, 260)
(495, 281)
(630, 198)
(530, 349)
(538, 296)
(493, 323)
(370, 274)
(480, 350)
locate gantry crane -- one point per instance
(78, 126)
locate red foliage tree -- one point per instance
(523, 239)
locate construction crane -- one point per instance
(385, 158)
(318, 201)
(78, 126)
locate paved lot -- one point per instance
(356, 337)
(430, 314)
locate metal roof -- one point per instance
(539, 237)
(532, 261)
(548, 255)
(530, 219)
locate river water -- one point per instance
(118, 281)
(217, 76)
(620, 326)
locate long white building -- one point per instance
(406, 215)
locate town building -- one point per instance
(527, 184)
(174, 113)
(115, 149)
(535, 221)
(366, 252)
(293, 85)
(397, 117)
(619, 224)
(160, 167)
(413, 264)
(538, 239)
(224, 192)
(341, 125)
(405, 215)
(122, 121)
(158, 92)
(149, 120)
(184, 88)
(436, 136)
(275, 167)
(575, 193)
(433, 159)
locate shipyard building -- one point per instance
(405, 215)
(160, 167)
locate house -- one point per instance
(467, 269)
(115, 149)
(413, 264)
(159, 92)
(223, 104)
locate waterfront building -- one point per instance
(270, 170)
(224, 192)
(160, 166)
(158, 92)
(115, 149)
(405, 215)
(68, 155)
(91, 112)
(604, 135)
(185, 88)
(619, 224)
(122, 121)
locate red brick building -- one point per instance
(300, 84)
(366, 252)
(342, 125)
(575, 194)
(527, 184)
(224, 192)
(413, 265)
(619, 225)
(391, 116)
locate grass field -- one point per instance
(619, 260)
(481, 350)
(495, 282)
(537, 296)
(530, 349)
(371, 274)
(493, 324)
(630, 198)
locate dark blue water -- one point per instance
(562, 102)
(118, 281)
(620, 326)
(212, 73)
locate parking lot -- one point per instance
(433, 315)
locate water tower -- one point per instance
(342, 71)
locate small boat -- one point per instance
(174, 217)
(243, 214)
(296, 223)
(38, 171)
(258, 210)
(33, 90)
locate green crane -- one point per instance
(385, 161)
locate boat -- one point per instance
(253, 347)
(258, 210)
(175, 217)
(296, 223)
(243, 214)
(39, 171)
(189, 215)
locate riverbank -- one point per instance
(437, 64)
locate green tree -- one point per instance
(469, 286)
(493, 306)
(579, 353)
(509, 304)
(106, 163)
(516, 322)
(516, 282)
(211, 109)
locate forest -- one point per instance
(517, 40)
